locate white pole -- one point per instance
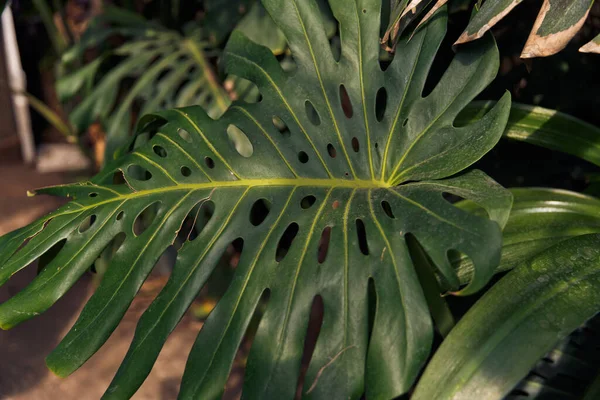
(17, 83)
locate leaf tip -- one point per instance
(31, 193)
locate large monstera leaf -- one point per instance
(344, 159)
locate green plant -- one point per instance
(339, 185)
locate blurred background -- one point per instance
(76, 75)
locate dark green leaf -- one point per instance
(375, 177)
(516, 322)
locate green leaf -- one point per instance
(556, 24)
(534, 306)
(258, 26)
(592, 47)
(543, 127)
(168, 69)
(539, 219)
(345, 174)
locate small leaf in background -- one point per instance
(556, 24)
(592, 47)
(490, 13)
(543, 127)
(515, 323)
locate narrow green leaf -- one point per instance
(539, 219)
(534, 306)
(543, 127)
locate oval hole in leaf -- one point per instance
(307, 201)
(312, 114)
(281, 126)
(361, 232)
(185, 171)
(387, 209)
(210, 163)
(145, 218)
(185, 135)
(101, 264)
(202, 214)
(93, 194)
(259, 211)
(118, 178)
(451, 198)
(50, 255)
(380, 104)
(239, 140)
(331, 150)
(159, 151)
(346, 102)
(87, 223)
(324, 245)
(315, 322)
(139, 173)
(303, 157)
(286, 241)
(355, 144)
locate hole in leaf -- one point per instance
(281, 126)
(452, 198)
(315, 322)
(118, 178)
(185, 135)
(331, 150)
(405, 122)
(388, 209)
(303, 157)
(219, 280)
(239, 140)
(361, 232)
(185, 171)
(307, 201)
(313, 115)
(50, 255)
(336, 47)
(120, 215)
(372, 306)
(355, 144)
(93, 194)
(139, 173)
(145, 218)
(324, 245)
(346, 102)
(198, 218)
(210, 163)
(233, 386)
(159, 151)
(259, 211)
(87, 223)
(380, 104)
(102, 262)
(286, 241)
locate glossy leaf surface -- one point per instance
(345, 158)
